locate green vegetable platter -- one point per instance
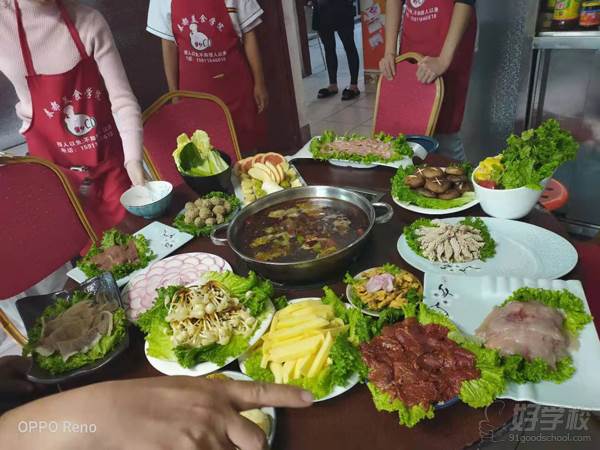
(196, 157)
(71, 334)
(197, 329)
(286, 353)
(478, 246)
(411, 200)
(572, 382)
(153, 242)
(363, 152)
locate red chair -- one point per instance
(555, 196)
(164, 121)
(43, 226)
(405, 105)
(589, 261)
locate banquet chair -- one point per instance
(164, 121)
(404, 104)
(43, 226)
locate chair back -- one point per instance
(43, 225)
(404, 104)
(164, 121)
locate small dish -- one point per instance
(218, 182)
(30, 308)
(148, 201)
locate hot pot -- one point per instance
(308, 270)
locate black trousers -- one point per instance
(346, 35)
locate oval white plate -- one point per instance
(337, 390)
(432, 211)
(521, 249)
(139, 294)
(268, 410)
(349, 296)
(173, 367)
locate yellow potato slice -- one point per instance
(288, 333)
(307, 305)
(277, 369)
(295, 350)
(288, 368)
(299, 368)
(321, 357)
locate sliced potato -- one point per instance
(321, 356)
(296, 350)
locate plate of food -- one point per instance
(362, 152)
(542, 330)
(180, 270)
(265, 417)
(124, 254)
(195, 330)
(485, 246)
(312, 343)
(201, 216)
(74, 333)
(262, 174)
(379, 288)
(433, 190)
(424, 363)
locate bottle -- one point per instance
(547, 14)
(566, 15)
(590, 15)
(550, 5)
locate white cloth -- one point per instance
(245, 16)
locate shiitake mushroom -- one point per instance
(464, 186)
(450, 194)
(414, 181)
(456, 178)
(437, 185)
(426, 192)
(455, 170)
(432, 172)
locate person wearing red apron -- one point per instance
(72, 125)
(210, 57)
(444, 31)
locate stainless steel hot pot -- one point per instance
(310, 270)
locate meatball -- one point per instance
(198, 202)
(199, 222)
(414, 181)
(432, 172)
(218, 210)
(220, 219)
(189, 205)
(210, 221)
(188, 220)
(215, 201)
(426, 193)
(449, 194)
(204, 213)
(437, 185)
(227, 206)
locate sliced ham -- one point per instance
(117, 254)
(361, 147)
(529, 329)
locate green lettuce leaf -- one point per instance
(54, 363)
(408, 416)
(400, 148)
(403, 193)
(191, 356)
(196, 156)
(192, 229)
(254, 292)
(111, 238)
(253, 370)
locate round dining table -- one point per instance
(350, 421)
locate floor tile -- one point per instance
(352, 116)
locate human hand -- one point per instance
(13, 380)
(387, 66)
(135, 170)
(430, 68)
(261, 96)
(184, 413)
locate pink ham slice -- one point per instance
(382, 282)
(117, 254)
(529, 329)
(361, 147)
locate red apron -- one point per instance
(212, 60)
(425, 26)
(72, 125)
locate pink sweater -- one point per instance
(54, 51)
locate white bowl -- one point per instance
(149, 201)
(507, 203)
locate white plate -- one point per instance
(467, 301)
(432, 211)
(418, 150)
(163, 240)
(268, 410)
(337, 390)
(139, 294)
(521, 248)
(173, 367)
(237, 186)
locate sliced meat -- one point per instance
(360, 147)
(118, 254)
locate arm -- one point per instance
(171, 63)
(432, 67)
(252, 50)
(125, 107)
(393, 15)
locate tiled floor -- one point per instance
(332, 113)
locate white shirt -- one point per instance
(245, 16)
